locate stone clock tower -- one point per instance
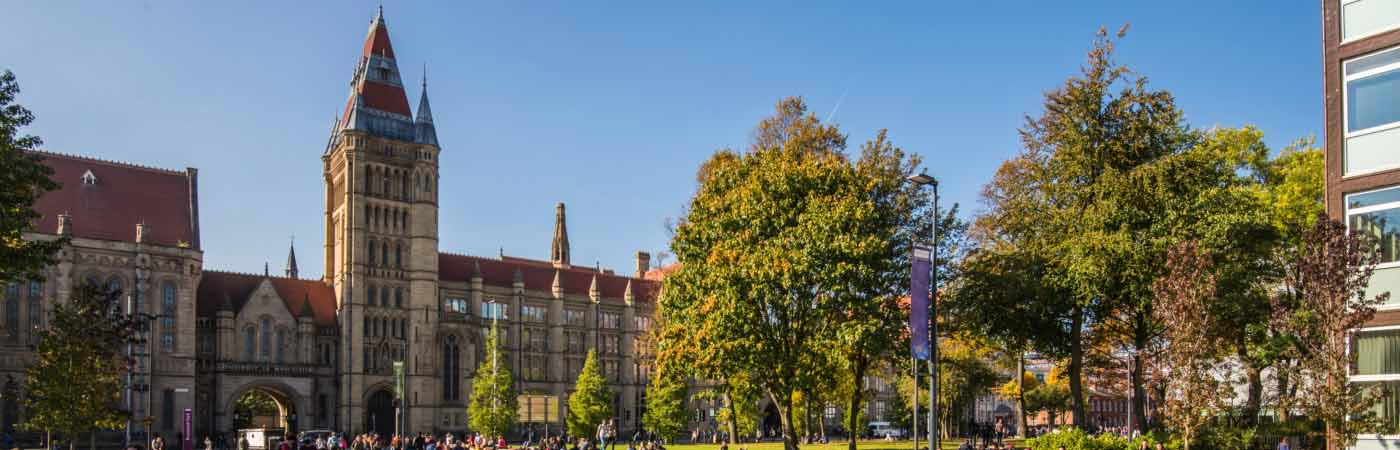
(381, 250)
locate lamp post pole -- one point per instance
(923, 179)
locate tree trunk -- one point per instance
(1139, 405)
(784, 406)
(1021, 394)
(1076, 366)
(858, 371)
(733, 421)
(1282, 377)
(1255, 387)
(821, 421)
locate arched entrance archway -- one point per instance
(772, 424)
(379, 413)
(264, 407)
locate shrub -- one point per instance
(1075, 439)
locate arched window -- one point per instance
(403, 181)
(265, 347)
(114, 284)
(281, 342)
(403, 329)
(36, 308)
(371, 298)
(385, 178)
(372, 249)
(365, 327)
(384, 254)
(168, 314)
(369, 178)
(398, 255)
(249, 343)
(12, 310)
(451, 368)
(368, 215)
(398, 297)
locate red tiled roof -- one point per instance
(539, 276)
(124, 195)
(384, 97)
(215, 286)
(377, 42)
(660, 273)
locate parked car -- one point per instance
(309, 437)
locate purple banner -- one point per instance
(188, 443)
(918, 304)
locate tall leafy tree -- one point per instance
(1191, 364)
(1326, 294)
(667, 413)
(779, 247)
(22, 181)
(494, 407)
(591, 402)
(83, 342)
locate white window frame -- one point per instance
(1349, 211)
(1341, 23)
(1347, 134)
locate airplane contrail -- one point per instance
(838, 105)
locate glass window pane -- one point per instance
(1378, 352)
(1373, 198)
(1387, 406)
(1382, 225)
(1373, 101)
(1367, 17)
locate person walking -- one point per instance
(157, 443)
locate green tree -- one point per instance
(494, 407)
(667, 414)
(779, 246)
(83, 342)
(23, 181)
(1052, 396)
(591, 402)
(965, 373)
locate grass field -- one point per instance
(834, 445)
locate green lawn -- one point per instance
(834, 445)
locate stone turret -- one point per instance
(291, 268)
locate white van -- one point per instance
(886, 430)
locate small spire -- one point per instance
(559, 248)
(593, 286)
(518, 276)
(266, 272)
(227, 305)
(291, 268)
(306, 306)
(476, 269)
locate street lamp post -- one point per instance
(923, 179)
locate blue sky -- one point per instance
(606, 106)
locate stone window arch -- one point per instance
(373, 291)
(169, 296)
(398, 254)
(265, 340)
(398, 297)
(372, 251)
(384, 254)
(249, 342)
(451, 368)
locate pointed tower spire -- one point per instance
(559, 249)
(266, 272)
(291, 268)
(377, 102)
(593, 285)
(306, 306)
(557, 287)
(423, 130)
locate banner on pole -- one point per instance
(188, 442)
(398, 379)
(918, 303)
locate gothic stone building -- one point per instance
(324, 348)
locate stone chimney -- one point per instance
(143, 232)
(643, 263)
(65, 225)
